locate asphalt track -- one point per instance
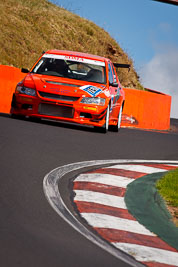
(31, 233)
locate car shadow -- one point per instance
(66, 125)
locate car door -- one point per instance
(114, 91)
(118, 96)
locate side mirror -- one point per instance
(24, 70)
(114, 84)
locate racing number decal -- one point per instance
(91, 90)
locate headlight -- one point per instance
(93, 100)
(26, 90)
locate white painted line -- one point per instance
(137, 168)
(103, 178)
(100, 198)
(110, 222)
(149, 254)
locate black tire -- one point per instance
(35, 119)
(18, 117)
(105, 127)
(116, 128)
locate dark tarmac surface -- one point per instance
(31, 233)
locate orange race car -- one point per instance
(73, 87)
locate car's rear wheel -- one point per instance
(115, 128)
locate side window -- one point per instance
(110, 73)
(114, 73)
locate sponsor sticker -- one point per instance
(75, 58)
(91, 90)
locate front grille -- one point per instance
(59, 97)
(56, 111)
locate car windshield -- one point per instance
(72, 68)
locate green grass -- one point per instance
(27, 27)
(168, 187)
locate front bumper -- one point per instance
(58, 110)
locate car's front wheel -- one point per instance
(35, 119)
(17, 116)
(105, 127)
(115, 128)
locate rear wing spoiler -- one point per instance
(119, 65)
(172, 2)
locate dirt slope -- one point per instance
(27, 27)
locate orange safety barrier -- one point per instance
(146, 109)
(142, 109)
(9, 77)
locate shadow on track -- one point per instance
(54, 123)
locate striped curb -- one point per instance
(99, 198)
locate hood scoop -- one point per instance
(58, 97)
(65, 84)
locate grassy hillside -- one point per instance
(27, 27)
